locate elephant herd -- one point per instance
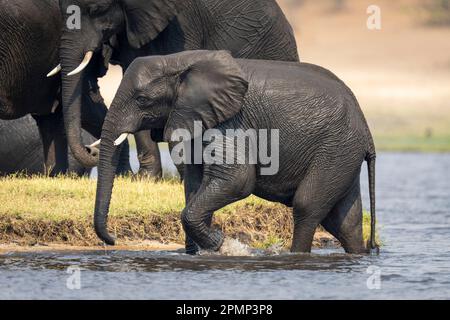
(228, 65)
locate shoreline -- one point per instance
(11, 248)
(322, 239)
(41, 213)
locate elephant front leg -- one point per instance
(198, 231)
(51, 130)
(214, 194)
(148, 155)
(192, 181)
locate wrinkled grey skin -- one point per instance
(324, 139)
(254, 29)
(30, 32)
(21, 149)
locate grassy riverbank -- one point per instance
(39, 210)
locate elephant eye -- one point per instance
(97, 9)
(93, 10)
(142, 100)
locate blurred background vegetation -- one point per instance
(400, 74)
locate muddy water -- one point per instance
(414, 215)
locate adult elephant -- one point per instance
(30, 31)
(254, 29)
(21, 149)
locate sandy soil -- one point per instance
(128, 246)
(400, 74)
(394, 62)
(321, 240)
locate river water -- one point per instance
(413, 207)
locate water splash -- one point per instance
(235, 248)
(231, 248)
(275, 249)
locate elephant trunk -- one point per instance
(72, 95)
(109, 160)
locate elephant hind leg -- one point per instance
(345, 221)
(51, 129)
(312, 202)
(308, 212)
(307, 217)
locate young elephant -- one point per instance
(324, 139)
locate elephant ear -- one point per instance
(146, 19)
(211, 90)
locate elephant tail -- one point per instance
(371, 244)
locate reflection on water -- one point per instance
(414, 215)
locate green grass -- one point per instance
(73, 198)
(412, 143)
(271, 241)
(410, 128)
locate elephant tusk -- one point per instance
(83, 64)
(95, 144)
(121, 139)
(55, 71)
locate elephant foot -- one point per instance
(124, 170)
(149, 173)
(54, 172)
(191, 248)
(375, 251)
(229, 247)
(124, 167)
